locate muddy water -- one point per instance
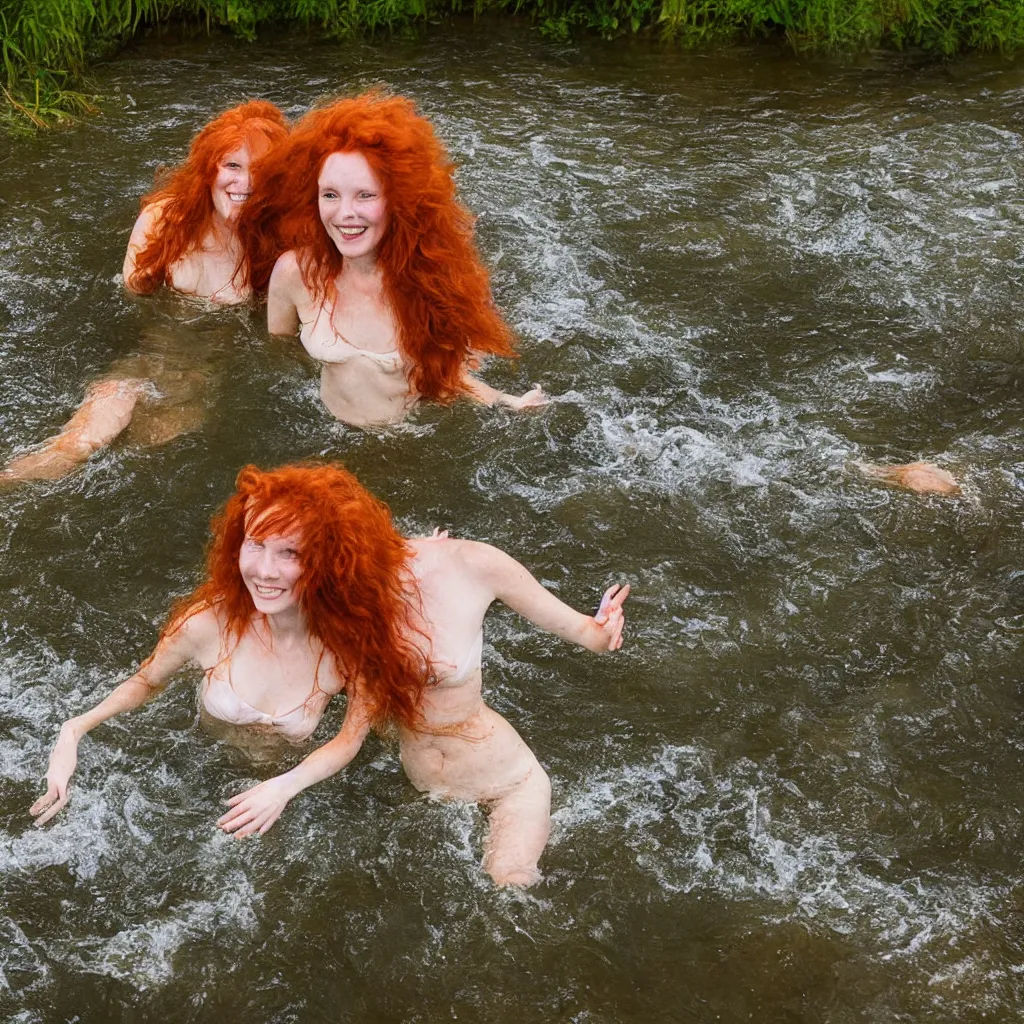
(795, 794)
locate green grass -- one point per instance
(48, 44)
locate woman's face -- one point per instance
(232, 185)
(352, 206)
(270, 569)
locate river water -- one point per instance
(795, 794)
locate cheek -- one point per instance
(325, 213)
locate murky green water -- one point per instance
(796, 794)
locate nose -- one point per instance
(266, 566)
(346, 208)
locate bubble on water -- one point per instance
(693, 827)
(20, 965)
(143, 954)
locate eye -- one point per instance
(367, 195)
(328, 194)
(290, 553)
(253, 544)
(233, 165)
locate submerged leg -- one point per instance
(106, 411)
(519, 827)
(922, 477)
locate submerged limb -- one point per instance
(922, 477)
(105, 412)
(519, 827)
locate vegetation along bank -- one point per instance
(48, 44)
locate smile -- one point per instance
(238, 197)
(352, 232)
(269, 592)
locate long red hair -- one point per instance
(187, 213)
(434, 279)
(356, 591)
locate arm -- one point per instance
(486, 395)
(513, 584)
(285, 282)
(256, 810)
(171, 653)
(145, 226)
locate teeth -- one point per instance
(351, 232)
(238, 197)
(268, 591)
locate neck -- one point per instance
(364, 269)
(222, 231)
(287, 628)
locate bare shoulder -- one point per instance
(287, 273)
(477, 559)
(148, 220)
(197, 629)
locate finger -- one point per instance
(602, 609)
(250, 827)
(235, 824)
(45, 800)
(619, 599)
(54, 810)
(616, 641)
(613, 631)
(236, 816)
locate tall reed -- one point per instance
(46, 45)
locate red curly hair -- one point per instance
(356, 591)
(434, 279)
(187, 213)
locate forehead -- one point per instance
(271, 526)
(237, 156)
(348, 169)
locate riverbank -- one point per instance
(48, 45)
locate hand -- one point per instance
(610, 617)
(63, 761)
(255, 810)
(533, 399)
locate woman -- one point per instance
(186, 235)
(379, 272)
(311, 589)
(186, 238)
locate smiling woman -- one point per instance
(185, 238)
(356, 233)
(312, 590)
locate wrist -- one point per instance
(72, 729)
(593, 637)
(294, 781)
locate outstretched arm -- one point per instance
(513, 584)
(171, 653)
(256, 810)
(486, 395)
